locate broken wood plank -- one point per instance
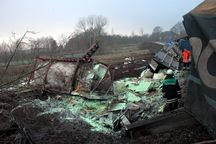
(165, 122)
(207, 142)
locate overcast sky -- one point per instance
(56, 17)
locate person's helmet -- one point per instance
(169, 72)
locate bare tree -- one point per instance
(44, 45)
(156, 33)
(132, 34)
(112, 31)
(4, 53)
(91, 28)
(141, 31)
(63, 39)
(179, 29)
(18, 43)
(157, 29)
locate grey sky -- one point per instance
(55, 17)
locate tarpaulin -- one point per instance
(185, 44)
(200, 25)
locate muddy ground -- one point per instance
(52, 130)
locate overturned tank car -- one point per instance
(81, 76)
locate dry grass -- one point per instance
(14, 72)
(121, 55)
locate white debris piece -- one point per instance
(158, 76)
(58, 75)
(146, 74)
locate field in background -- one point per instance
(13, 72)
(119, 56)
(115, 57)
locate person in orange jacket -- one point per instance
(186, 54)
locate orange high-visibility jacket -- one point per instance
(186, 56)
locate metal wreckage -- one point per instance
(81, 96)
(66, 75)
(81, 92)
(90, 84)
(61, 92)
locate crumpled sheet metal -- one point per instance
(167, 59)
(93, 78)
(55, 76)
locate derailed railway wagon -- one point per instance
(200, 101)
(200, 25)
(81, 76)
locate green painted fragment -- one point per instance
(80, 104)
(97, 106)
(118, 106)
(171, 81)
(141, 87)
(96, 126)
(90, 76)
(100, 70)
(132, 97)
(119, 87)
(51, 111)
